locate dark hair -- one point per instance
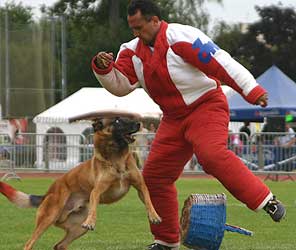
(148, 8)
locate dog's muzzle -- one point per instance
(124, 129)
(130, 138)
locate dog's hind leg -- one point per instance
(73, 229)
(71, 234)
(47, 214)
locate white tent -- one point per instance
(98, 99)
(63, 151)
(85, 100)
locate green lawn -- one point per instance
(123, 226)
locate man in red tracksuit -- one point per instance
(181, 69)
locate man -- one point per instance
(181, 69)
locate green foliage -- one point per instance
(189, 12)
(124, 225)
(88, 31)
(19, 15)
(230, 39)
(27, 49)
(271, 40)
(278, 30)
(92, 28)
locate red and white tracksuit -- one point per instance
(182, 74)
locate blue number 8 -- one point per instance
(205, 50)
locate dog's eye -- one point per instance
(97, 125)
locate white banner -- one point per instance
(4, 127)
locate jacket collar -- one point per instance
(151, 59)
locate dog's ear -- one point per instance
(97, 125)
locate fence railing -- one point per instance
(61, 152)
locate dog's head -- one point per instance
(119, 130)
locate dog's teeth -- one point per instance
(88, 227)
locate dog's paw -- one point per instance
(154, 219)
(89, 225)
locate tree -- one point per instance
(271, 40)
(21, 56)
(277, 31)
(18, 14)
(101, 25)
(189, 12)
(89, 29)
(91, 26)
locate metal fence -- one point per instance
(268, 152)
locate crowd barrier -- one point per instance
(261, 152)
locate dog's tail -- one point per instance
(19, 198)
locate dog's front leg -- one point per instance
(138, 182)
(100, 187)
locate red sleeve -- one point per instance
(99, 70)
(125, 65)
(256, 92)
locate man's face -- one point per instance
(145, 30)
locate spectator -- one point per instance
(151, 133)
(152, 128)
(141, 145)
(245, 129)
(235, 143)
(288, 139)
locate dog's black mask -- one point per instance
(123, 128)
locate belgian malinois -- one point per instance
(71, 201)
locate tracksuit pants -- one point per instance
(204, 132)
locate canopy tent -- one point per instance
(281, 98)
(86, 100)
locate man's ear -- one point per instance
(97, 125)
(155, 20)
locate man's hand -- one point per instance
(103, 59)
(262, 100)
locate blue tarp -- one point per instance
(281, 98)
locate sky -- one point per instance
(232, 11)
(242, 11)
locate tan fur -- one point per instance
(71, 201)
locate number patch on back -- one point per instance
(206, 51)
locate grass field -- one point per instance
(123, 226)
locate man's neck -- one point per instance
(151, 44)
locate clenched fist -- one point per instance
(262, 100)
(103, 59)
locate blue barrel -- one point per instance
(203, 221)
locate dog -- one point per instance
(71, 201)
